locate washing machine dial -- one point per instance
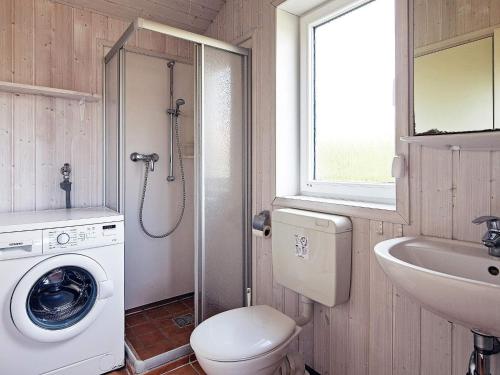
(63, 238)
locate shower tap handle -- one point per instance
(154, 159)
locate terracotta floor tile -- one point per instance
(198, 368)
(135, 319)
(134, 341)
(142, 329)
(181, 338)
(170, 366)
(175, 330)
(178, 367)
(152, 332)
(189, 303)
(158, 313)
(166, 324)
(129, 331)
(154, 350)
(184, 370)
(122, 371)
(176, 308)
(152, 338)
(172, 329)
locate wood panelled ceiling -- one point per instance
(192, 15)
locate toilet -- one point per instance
(312, 256)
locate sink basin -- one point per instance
(456, 280)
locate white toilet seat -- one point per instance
(265, 364)
(242, 334)
(246, 341)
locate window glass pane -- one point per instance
(354, 72)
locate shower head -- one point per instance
(178, 104)
(176, 111)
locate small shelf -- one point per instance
(482, 141)
(18, 88)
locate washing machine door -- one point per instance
(60, 297)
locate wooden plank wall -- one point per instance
(193, 15)
(50, 44)
(439, 20)
(380, 331)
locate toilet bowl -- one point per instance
(245, 341)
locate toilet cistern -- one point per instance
(491, 238)
(312, 254)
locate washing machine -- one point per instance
(61, 292)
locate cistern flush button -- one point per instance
(301, 246)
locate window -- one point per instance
(348, 115)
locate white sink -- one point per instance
(454, 279)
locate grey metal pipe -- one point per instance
(483, 364)
(479, 364)
(480, 359)
(171, 176)
(66, 183)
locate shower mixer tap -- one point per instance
(147, 158)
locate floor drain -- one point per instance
(183, 320)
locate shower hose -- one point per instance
(145, 186)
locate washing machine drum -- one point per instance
(60, 297)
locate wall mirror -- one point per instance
(454, 69)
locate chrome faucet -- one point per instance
(148, 158)
(491, 238)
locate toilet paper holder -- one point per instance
(261, 224)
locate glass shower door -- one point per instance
(222, 181)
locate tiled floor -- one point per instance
(151, 332)
(183, 366)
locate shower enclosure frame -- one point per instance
(199, 41)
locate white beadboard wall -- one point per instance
(380, 331)
(55, 45)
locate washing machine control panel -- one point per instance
(82, 237)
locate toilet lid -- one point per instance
(242, 333)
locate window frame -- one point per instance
(360, 192)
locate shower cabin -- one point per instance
(177, 165)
